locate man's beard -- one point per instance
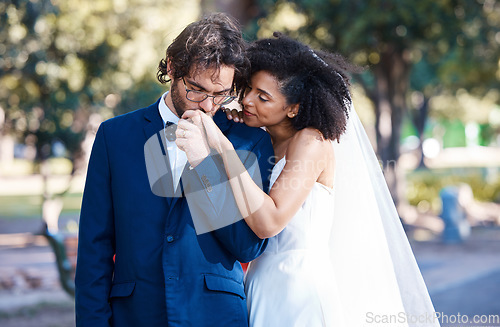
(178, 100)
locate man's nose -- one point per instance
(207, 105)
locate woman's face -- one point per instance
(264, 104)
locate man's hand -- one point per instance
(190, 138)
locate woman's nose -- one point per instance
(247, 100)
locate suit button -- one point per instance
(206, 183)
(170, 238)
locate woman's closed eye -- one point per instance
(261, 95)
(262, 98)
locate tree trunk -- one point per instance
(419, 120)
(391, 75)
(6, 140)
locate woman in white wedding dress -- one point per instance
(337, 255)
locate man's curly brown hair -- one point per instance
(211, 42)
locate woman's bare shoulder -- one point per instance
(309, 143)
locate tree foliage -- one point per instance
(61, 61)
(428, 46)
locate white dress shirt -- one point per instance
(176, 156)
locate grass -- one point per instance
(30, 206)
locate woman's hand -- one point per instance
(234, 115)
(215, 138)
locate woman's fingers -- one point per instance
(227, 111)
(239, 114)
(234, 115)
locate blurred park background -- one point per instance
(429, 99)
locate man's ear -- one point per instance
(293, 110)
(170, 70)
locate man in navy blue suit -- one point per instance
(147, 256)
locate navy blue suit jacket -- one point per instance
(164, 274)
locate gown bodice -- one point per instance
(310, 227)
(290, 284)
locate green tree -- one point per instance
(64, 62)
(455, 42)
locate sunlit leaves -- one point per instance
(64, 58)
(467, 106)
(286, 17)
(458, 40)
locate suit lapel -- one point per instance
(179, 193)
(153, 122)
(153, 126)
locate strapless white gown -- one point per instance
(291, 283)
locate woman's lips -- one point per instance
(246, 113)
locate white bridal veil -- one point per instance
(376, 275)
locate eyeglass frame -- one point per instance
(232, 97)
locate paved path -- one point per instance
(30, 292)
(463, 279)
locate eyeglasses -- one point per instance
(198, 96)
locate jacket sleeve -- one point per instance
(95, 241)
(212, 204)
